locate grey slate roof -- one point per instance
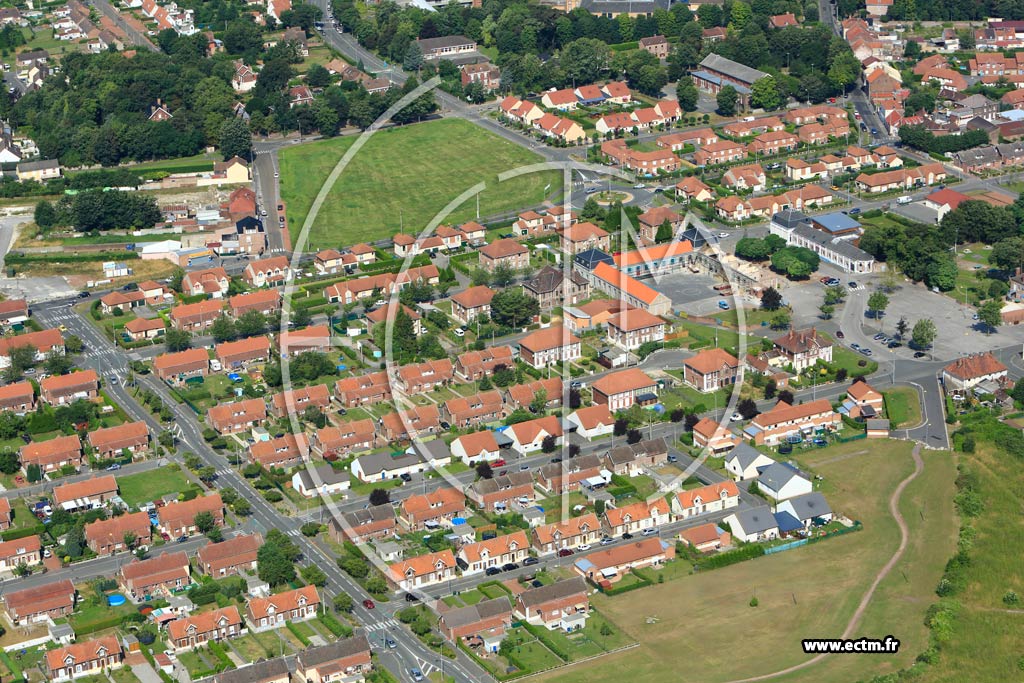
(430, 44)
(624, 6)
(326, 474)
(345, 647)
(744, 454)
(740, 72)
(374, 513)
(502, 482)
(580, 462)
(255, 673)
(777, 475)
(38, 165)
(756, 520)
(485, 609)
(554, 591)
(810, 505)
(591, 257)
(375, 463)
(549, 279)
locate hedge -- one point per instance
(15, 534)
(297, 633)
(643, 583)
(14, 258)
(110, 621)
(742, 554)
(334, 626)
(222, 656)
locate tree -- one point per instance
(129, 538)
(687, 94)
(318, 76)
(634, 436)
(214, 535)
(827, 311)
(484, 471)
(236, 138)
(9, 462)
(795, 262)
(503, 376)
(380, 497)
(242, 507)
(223, 329)
(664, 233)
(312, 574)
(73, 344)
(343, 602)
(786, 396)
(770, 388)
(726, 100)
(503, 275)
(902, 327)
(413, 57)
(771, 300)
(780, 321)
(45, 215)
(765, 94)
(273, 565)
(177, 340)
(539, 401)
(990, 315)
(204, 521)
(747, 408)
(22, 357)
(740, 16)
(513, 307)
(620, 426)
(548, 444)
(923, 334)
(57, 363)
(877, 303)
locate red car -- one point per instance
(498, 463)
(566, 552)
(368, 604)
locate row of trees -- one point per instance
(96, 211)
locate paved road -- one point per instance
(137, 37)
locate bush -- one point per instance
(273, 496)
(741, 554)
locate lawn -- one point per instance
(808, 592)
(402, 178)
(137, 489)
(902, 406)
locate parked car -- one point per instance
(649, 532)
(919, 354)
(530, 561)
(583, 548)
(509, 567)
(866, 352)
(492, 571)
(566, 552)
(459, 332)
(607, 541)
(368, 604)
(409, 597)
(405, 476)
(500, 462)
(840, 335)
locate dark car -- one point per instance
(492, 571)
(919, 354)
(83, 295)
(509, 567)
(409, 597)
(182, 539)
(444, 425)
(839, 334)
(894, 344)
(854, 211)
(566, 552)
(626, 536)
(405, 476)
(130, 287)
(530, 561)
(536, 584)
(368, 604)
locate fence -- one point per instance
(857, 526)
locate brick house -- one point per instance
(87, 658)
(419, 378)
(804, 348)
(485, 617)
(374, 387)
(180, 366)
(196, 630)
(555, 478)
(156, 575)
(632, 328)
(240, 416)
(113, 442)
(710, 370)
(294, 605)
(233, 556)
(52, 455)
(344, 661)
(635, 517)
(608, 565)
(18, 397)
(49, 601)
(504, 252)
(267, 272)
(139, 329)
(59, 390)
(44, 343)
(373, 523)
(417, 421)
(549, 346)
(656, 45)
(471, 303)
(503, 492)
(238, 354)
(297, 401)
(213, 282)
(107, 536)
(266, 302)
(468, 411)
(196, 317)
(24, 551)
(433, 509)
(619, 390)
(424, 570)
(86, 494)
(579, 237)
(347, 437)
(553, 287)
(178, 518)
(473, 365)
(522, 395)
(570, 533)
(313, 338)
(562, 605)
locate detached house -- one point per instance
(710, 370)
(294, 605)
(472, 303)
(266, 272)
(746, 462)
(632, 328)
(549, 346)
(213, 282)
(751, 525)
(474, 448)
(804, 348)
(619, 390)
(484, 620)
(52, 455)
(966, 373)
(560, 606)
(609, 565)
(527, 437)
(494, 552)
(504, 252)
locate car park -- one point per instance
(919, 354)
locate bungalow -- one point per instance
(746, 462)
(550, 346)
(808, 508)
(178, 517)
(503, 492)
(472, 303)
(529, 436)
(233, 556)
(196, 630)
(239, 416)
(706, 499)
(121, 301)
(368, 524)
(283, 452)
(473, 365)
(181, 366)
(61, 389)
(296, 401)
(592, 422)
(48, 601)
(324, 480)
(196, 317)
(710, 370)
(967, 372)
(520, 111)
(706, 538)
(636, 517)
(85, 495)
(88, 658)
(298, 604)
(108, 536)
(131, 438)
(617, 92)
(487, 617)
(211, 281)
(494, 552)
(781, 480)
(267, 302)
(239, 354)
(415, 422)
(344, 661)
(335, 441)
(422, 571)
(431, 510)
(52, 455)
(164, 573)
(371, 388)
(709, 434)
(562, 100)
(314, 338)
(611, 564)
(22, 551)
(784, 421)
(751, 525)
(901, 178)
(798, 169)
(468, 411)
(620, 390)
(475, 448)
(566, 534)
(420, 457)
(562, 606)
(140, 329)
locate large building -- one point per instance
(825, 236)
(715, 72)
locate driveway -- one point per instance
(146, 673)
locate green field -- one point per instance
(807, 592)
(405, 176)
(903, 406)
(144, 487)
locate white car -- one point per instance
(276, 174)
(736, 417)
(607, 541)
(584, 547)
(649, 532)
(722, 235)
(638, 186)
(459, 332)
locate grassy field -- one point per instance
(147, 486)
(903, 406)
(404, 177)
(802, 593)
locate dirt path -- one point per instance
(894, 508)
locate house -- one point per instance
(431, 510)
(489, 616)
(240, 416)
(368, 524)
(494, 552)
(774, 142)
(267, 272)
(582, 236)
(715, 72)
(754, 126)
(244, 78)
(232, 556)
(13, 311)
(751, 525)
(85, 495)
(549, 346)
(656, 45)
(88, 658)
(553, 287)
(566, 534)
(473, 365)
(472, 303)
(560, 128)
(611, 564)
(520, 111)
(706, 499)
(182, 366)
(562, 605)
(59, 390)
(6, 514)
(52, 455)
(862, 401)
(503, 492)
(196, 317)
(334, 441)
(746, 462)
(159, 112)
(804, 348)
(747, 177)
(283, 452)
(475, 448)
(298, 604)
(424, 570)
(467, 411)
(776, 425)
(48, 601)
(635, 459)
(901, 178)
(234, 355)
(710, 370)
(943, 201)
(707, 433)
(419, 378)
(39, 171)
(692, 189)
(211, 281)
(267, 302)
(374, 387)
(324, 480)
(593, 421)
(164, 573)
(140, 329)
(809, 508)
(781, 480)
(486, 74)
(635, 517)
(967, 372)
(420, 457)
(529, 436)
(506, 253)
(24, 551)
(107, 536)
(343, 661)
(783, 20)
(129, 439)
(196, 630)
(263, 671)
(523, 395)
(720, 152)
(446, 47)
(646, 163)
(297, 401)
(299, 95)
(178, 518)
(329, 262)
(621, 389)
(706, 538)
